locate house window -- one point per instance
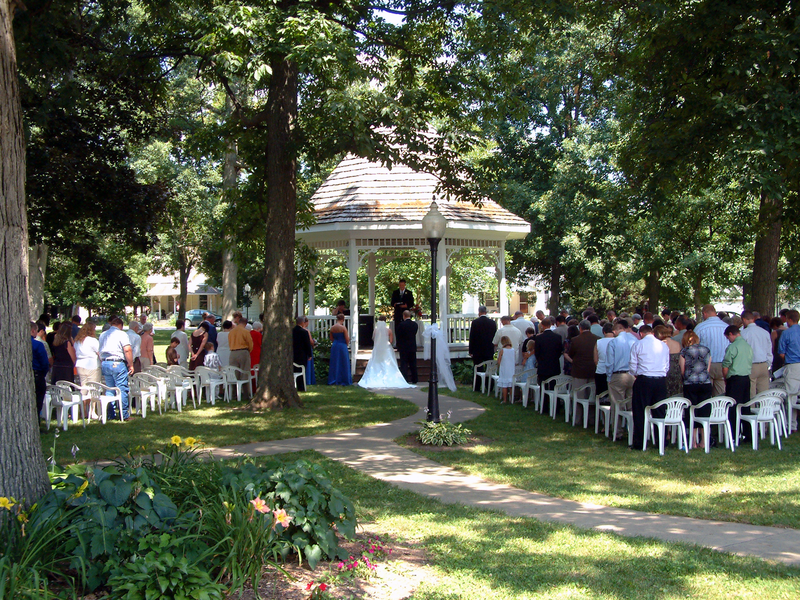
(523, 302)
(490, 304)
(203, 302)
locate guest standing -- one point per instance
(649, 363)
(674, 375)
(223, 349)
(481, 333)
(183, 342)
(41, 365)
(736, 367)
(339, 372)
(63, 354)
(198, 342)
(695, 361)
(147, 350)
(712, 335)
(87, 354)
(761, 343)
(301, 348)
(241, 342)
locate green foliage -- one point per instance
(160, 569)
(463, 371)
(322, 360)
(443, 433)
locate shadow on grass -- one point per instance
(483, 554)
(527, 448)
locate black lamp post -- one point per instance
(247, 302)
(433, 228)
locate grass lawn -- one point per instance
(326, 409)
(536, 453)
(479, 554)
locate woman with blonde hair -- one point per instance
(63, 354)
(695, 361)
(87, 354)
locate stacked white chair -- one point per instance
(526, 382)
(603, 407)
(555, 389)
(210, 380)
(585, 396)
(719, 407)
(102, 396)
(621, 415)
(490, 368)
(763, 411)
(232, 378)
(144, 389)
(78, 394)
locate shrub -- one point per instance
(443, 433)
(463, 371)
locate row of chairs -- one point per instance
(156, 387)
(773, 408)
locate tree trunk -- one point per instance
(37, 268)
(276, 381)
(183, 287)
(23, 474)
(653, 288)
(230, 270)
(555, 289)
(765, 256)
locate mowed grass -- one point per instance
(536, 453)
(326, 409)
(478, 554)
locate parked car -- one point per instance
(195, 317)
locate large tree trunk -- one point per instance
(37, 269)
(766, 255)
(23, 474)
(230, 271)
(555, 289)
(276, 382)
(653, 288)
(183, 288)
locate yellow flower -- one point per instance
(81, 489)
(190, 441)
(6, 503)
(176, 440)
(281, 517)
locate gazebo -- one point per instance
(364, 207)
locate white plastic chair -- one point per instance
(209, 380)
(254, 376)
(188, 381)
(101, 398)
(673, 418)
(162, 377)
(299, 375)
(560, 385)
(178, 388)
(622, 416)
(602, 407)
(232, 375)
(720, 406)
(765, 413)
(578, 398)
(52, 402)
(525, 382)
(490, 368)
(779, 408)
(79, 393)
(144, 389)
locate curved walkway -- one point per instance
(372, 451)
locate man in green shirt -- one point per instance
(736, 369)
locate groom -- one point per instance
(406, 332)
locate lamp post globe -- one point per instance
(433, 228)
(247, 289)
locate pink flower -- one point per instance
(310, 585)
(259, 505)
(281, 517)
(322, 587)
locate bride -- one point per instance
(382, 371)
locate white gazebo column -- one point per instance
(372, 271)
(501, 270)
(441, 269)
(300, 302)
(312, 298)
(352, 267)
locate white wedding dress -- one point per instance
(382, 371)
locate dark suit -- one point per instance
(481, 333)
(301, 351)
(547, 350)
(404, 297)
(406, 332)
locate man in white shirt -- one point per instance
(523, 324)
(508, 329)
(136, 345)
(116, 363)
(183, 342)
(649, 364)
(761, 343)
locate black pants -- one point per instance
(408, 365)
(40, 383)
(738, 388)
(600, 383)
(646, 392)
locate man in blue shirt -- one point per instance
(618, 358)
(41, 365)
(712, 335)
(789, 349)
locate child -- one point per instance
(172, 352)
(506, 361)
(211, 359)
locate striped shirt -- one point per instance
(712, 335)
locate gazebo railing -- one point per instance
(458, 325)
(319, 325)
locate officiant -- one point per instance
(402, 299)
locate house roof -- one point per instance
(168, 285)
(361, 194)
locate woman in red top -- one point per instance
(255, 353)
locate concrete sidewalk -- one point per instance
(371, 451)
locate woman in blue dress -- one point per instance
(339, 372)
